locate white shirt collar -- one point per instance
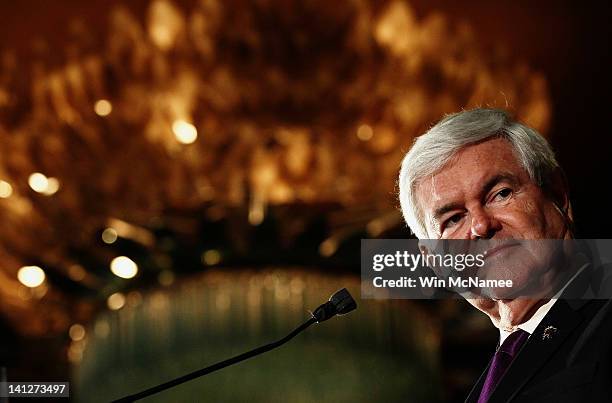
(532, 323)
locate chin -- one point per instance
(505, 313)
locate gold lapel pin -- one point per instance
(549, 332)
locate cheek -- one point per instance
(535, 220)
(529, 207)
(555, 223)
(533, 217)
(525, 217)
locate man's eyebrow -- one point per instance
(445, 209)
(485, 189)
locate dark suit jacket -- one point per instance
(569, 362)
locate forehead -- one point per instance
(466, 173)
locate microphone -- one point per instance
(340, 303)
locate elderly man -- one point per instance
(479, 175)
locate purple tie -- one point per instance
(501, 361)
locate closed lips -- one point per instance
(496, 249)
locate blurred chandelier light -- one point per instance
(42, 184)
(38, 182)
(103, 107)
(77, 332)
(185, 132)
(109, 235)
(31, 276)
(6, 190)
(53, 186)
(116, 301)
(124, 267)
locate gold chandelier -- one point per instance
(219, 106)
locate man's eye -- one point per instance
(503, 194)
(452, 221)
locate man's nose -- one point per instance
(483, 225)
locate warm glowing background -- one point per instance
(182, 180)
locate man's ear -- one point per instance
(558, 191)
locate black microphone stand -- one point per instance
(339, 303)
(217, 366)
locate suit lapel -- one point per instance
(545, 340)
(477, 388)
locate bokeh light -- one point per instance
(116, 301)
(31, 276)
(38, 182)
(76, 332)
(124, 267)
(103, 107)
(76, 272)
(6, 190)
(109, 235)
(365, 133)
(185, 132)
(211, 257)
(53, 186)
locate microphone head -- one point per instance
(339, 304)
(343, 301)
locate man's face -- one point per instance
(484, 192)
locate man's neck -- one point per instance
(539, 308)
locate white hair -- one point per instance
(434, 149)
